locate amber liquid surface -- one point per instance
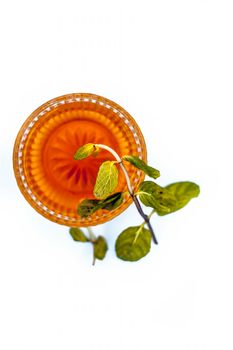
(56, 179)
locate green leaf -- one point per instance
(183, 192)
(113, 201)
(107, 180)
(133, 243)
(86, 151)
(157, 197)
(87, 207)
(140, 164)
(100, 248)
(78, 235)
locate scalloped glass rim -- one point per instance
(21, 138)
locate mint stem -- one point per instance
(91, 234)
(92, 239)
(145, 217)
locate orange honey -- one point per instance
(48, 176)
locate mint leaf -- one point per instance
(86, 151)
(183, 192)
(133, 243)
(78, 235)
(100, 248)
(107, 180)
(157, 197)
(140, 164)
(87, 207)
(112, 202)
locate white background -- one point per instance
(169, 63)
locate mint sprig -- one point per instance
(99, 243)
(89, 206)
(135, 241)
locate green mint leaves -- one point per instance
(168, 199)
(86, 151)
(134, 242)
(107, 180)
(112, 202)
(100, 248)
(99, 244)
(140, 164)
(88, 206)
(78, 235)
(156, 197)
(183, 192)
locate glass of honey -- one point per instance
(48, 176)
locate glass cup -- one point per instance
(47, 175)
